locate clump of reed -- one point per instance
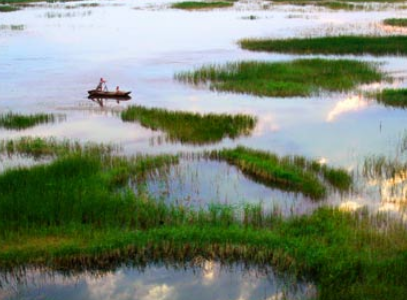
(381, 167)
(393, 97)
(38, 147)
(12, 27)
(290, 173)
(193, 128)
(18, 121)
(302, 77)
(94, 4)
(336, 5)
(336, 45)
(192, 5)
(395, 22)
(8, 8)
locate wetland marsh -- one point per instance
(220, 180)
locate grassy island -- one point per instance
(393, 97)
(396, 22)
(192, 5)
(287, 173)
(193, 128)
(8, 8)
(332, 45)
(19, 121)
(302, 77)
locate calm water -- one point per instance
(55, 54)
(209, 281)
(61, 53)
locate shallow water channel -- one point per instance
(51, 54)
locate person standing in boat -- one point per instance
(101, 85)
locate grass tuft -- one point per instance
(393, 97)
(45, 147)
(201, 5)
(302, 77)
(18, 121)
(396, 22)
(191, 128)
(8, 8)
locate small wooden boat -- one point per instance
(108, 94)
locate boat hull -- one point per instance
(105, 94)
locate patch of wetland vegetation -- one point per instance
(331, 45)
(337, 5)
(38, 147)
(290, 173)
(396, 22)
(393, 97)
(193, 5)
(302, 77)
(82, 5)
(12, 27)
(334, 5)
(8, 8)
(72, 14)
(77, 212)
(18, 121)
(192, 128)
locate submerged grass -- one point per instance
(294, 173)
(335, 45)
(396, 22)
(393, 97)
(201, 5)
(18, 121)
(301, 77)
(189, 127)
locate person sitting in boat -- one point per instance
(101, 85)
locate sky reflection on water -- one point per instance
(209, 281)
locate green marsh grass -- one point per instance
(201, 5)
(331, 45)
(393, 97)
(337, 5)
(18, 121)
(79, 187)
(38, 147)
(302, 77)
(334, 5)
(76, 213)
(343, 253)
(193, 128)
(12, 27)
(8, 8)
(294, 173)
(396, 22)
